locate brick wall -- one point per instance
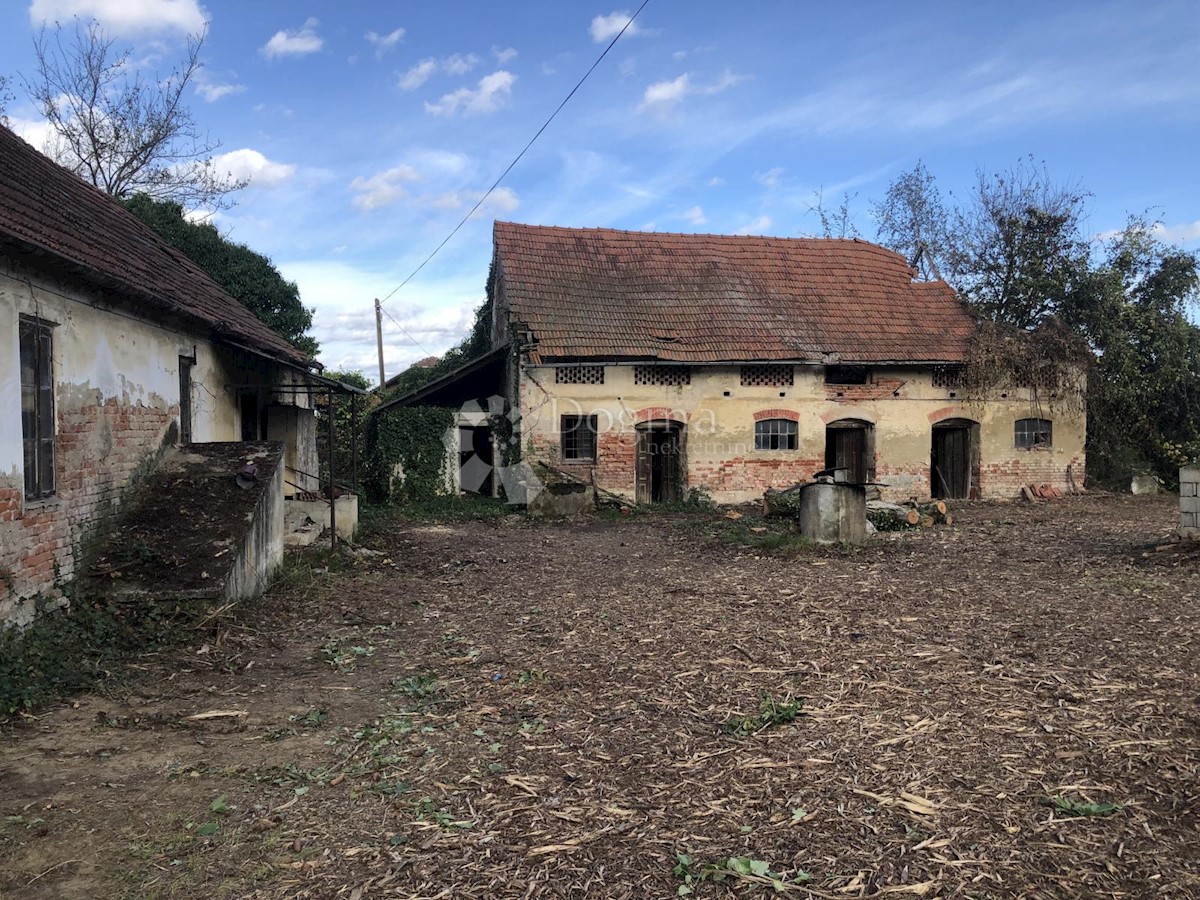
(1189, 502)
(100, 448)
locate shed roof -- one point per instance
(598, 293)
(44, 209)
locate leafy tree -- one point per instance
(1133, 310)
(1016, 247)
(121, 131)
(248, 276)
(912, 220)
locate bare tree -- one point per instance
(912, 221)
(123, 132)
(836, 223)
(6, 98)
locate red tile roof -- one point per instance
(596, 293)
(45, 209)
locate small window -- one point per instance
(671, 376)
(579, 438)
(775, 434)
(579, 375)
(37, 407)
(767, 376)
(1032, 433)
(847, 375)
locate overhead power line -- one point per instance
(516, 159)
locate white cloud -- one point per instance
(124, 16)
(201, 216)
(253, 166)
(502, 200)
(211, 90)
(662, 95)
(459, 63)
(628, 67)
(506, 55)
(417, 75)
(758, 226)
(694, 216)
(35, 131)
(384, 42)
(606, 28)
(346, 328)
(716, 181)
(383, 188)
(1182, 233)
(770, 178)
(294, 43)
(492, 92)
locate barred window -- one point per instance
(579, 375)
(668, 375)
(767, 376)
(578, 438)
(847, 375)
(1030, 433)
(775, 434)
(37, 406)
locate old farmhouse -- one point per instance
(651, 364)
(114, 347)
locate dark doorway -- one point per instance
(953, 463)
(254, 416)
(660, 463)
(476, 460)
(850, 445)
(185, 398)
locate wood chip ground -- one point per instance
(519, 709)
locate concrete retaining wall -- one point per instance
(1189, 502)
(262, 547)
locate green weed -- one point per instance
(771, 713)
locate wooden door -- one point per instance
(950, 463)
(846, 448)
(642, 468)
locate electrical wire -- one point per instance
(516, 160)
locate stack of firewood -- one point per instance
(902, 516)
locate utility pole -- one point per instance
(379, 337)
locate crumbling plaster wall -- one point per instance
(117, 398)
(902, 404)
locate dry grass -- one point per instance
(510, 709)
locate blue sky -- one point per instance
(369, 128)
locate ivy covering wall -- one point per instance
(413, 438)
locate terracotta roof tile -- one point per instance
(44, 208)
(601, 293)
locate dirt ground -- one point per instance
(1003, 708)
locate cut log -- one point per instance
(940, 506)
(926, 521)
(913, 517)
(948, 519)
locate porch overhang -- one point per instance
(478, 379)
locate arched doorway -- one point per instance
(954, 460)
(660, 461)
(850, 445)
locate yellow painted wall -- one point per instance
(720, 429)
